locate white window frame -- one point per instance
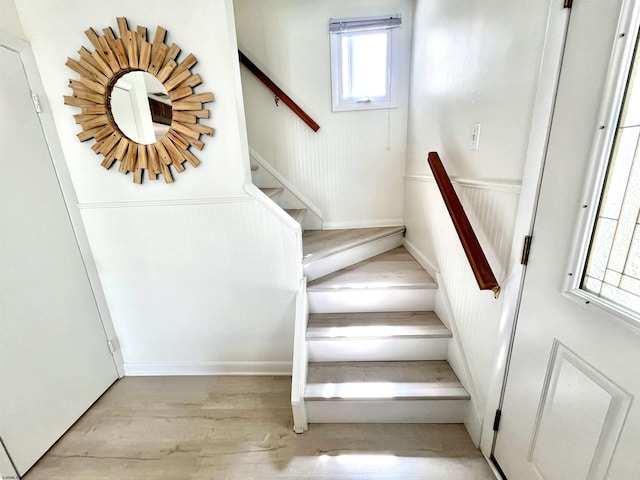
(357, 26)
(613, 98)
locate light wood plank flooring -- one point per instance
(403, 380)
(395, 268)
(376, 325)
(240, 428)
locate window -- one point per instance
(608, 243)
(613, 265)
(364, 58)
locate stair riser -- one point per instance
(386, 411)
(273, 193)
(371, 300)
(396, 349)
(335, 262)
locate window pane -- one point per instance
(631, 110)
(364, 65)
(601, 248)
(632, 267)
(619, 171)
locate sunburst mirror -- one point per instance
(138, 102)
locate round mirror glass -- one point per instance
(141, 107)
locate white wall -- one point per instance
(56, 37)
(196, 273)
(352, 168)
(9, 21)
(472, 62)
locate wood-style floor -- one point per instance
(393, 269)
(228, 428)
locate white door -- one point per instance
(6, 467)
(54, 359)
(571, 408)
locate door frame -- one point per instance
(23, 49)
(541, 122)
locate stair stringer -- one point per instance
(300, 361)
(267, 176)
(456, 357)
(284, 218)
(300, 356)
(267, 202)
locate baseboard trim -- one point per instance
(421, 258)
(473, 424)
(206, 368)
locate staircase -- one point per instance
(282, 192)
(368, 346)
(374, 350)
(274, 193)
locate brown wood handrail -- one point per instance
(253, 68)
(475, 255)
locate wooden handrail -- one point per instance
(475, 255)
(253, 68)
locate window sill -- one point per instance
(356, 106)
(591, 301)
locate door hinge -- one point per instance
(36, 102)
(526, 248)
(496, 420)
(114, 345)
(568, 3)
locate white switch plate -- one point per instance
(474, 137)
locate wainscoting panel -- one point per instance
(197, 284)
(491, 208)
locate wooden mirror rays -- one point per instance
(100, 70)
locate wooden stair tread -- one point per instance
(413, 380)
(297, 214)
(393, 269)
(319, 244)
(271, 192)
(323, 326)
